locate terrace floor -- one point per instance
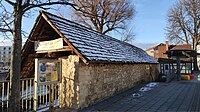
(174, 96)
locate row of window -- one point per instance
(6, 48)
(9, 52)
(185, 68)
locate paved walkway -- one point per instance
(178, 96)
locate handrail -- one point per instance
(27, 88)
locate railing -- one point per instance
(27, 95)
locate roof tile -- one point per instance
(98, 47)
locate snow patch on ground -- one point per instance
(136, 95)
(152, 84)
(146, 88)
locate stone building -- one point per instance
(94, 66)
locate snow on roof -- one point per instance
(98, 47)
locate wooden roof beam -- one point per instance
(65, 48)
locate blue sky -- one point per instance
(150, 21)
(148, 24)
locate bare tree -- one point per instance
(104, 15)
(127, 35)
(11, 14)
(183, 23)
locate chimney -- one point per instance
(167, 45)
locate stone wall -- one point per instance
(69, 91)
(83, 84)
(97, 81)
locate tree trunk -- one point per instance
(195, 58)
(14, 101)
(195, 64)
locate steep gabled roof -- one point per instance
(95, 46)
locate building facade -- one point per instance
(5, 56)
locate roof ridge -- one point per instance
(107, 36)
(70, 21)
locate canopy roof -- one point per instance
(182, 53)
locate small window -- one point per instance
(166, 67)
(9, 48)
(4, 48)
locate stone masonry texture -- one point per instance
(69, 85)
(83, 85)
(98, 81)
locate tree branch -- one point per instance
(30, 6)
(5, 30)
(10, 2)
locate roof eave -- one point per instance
(118, 62)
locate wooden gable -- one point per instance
(43, 31)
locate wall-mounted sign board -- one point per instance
(49, 45)
(48, 71)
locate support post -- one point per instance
(35, 85)
(60, 94)
(178, 68)
(51, 97)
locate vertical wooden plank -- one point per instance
(40, 95)
(30, 86)
(51, 97)
(43, 95)
(53, 94)
(2, 96)
(56, 96)
(46, 87)
(27, 94)
(60, 95)
(35, 85)
(22, 95)
(8, 93)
